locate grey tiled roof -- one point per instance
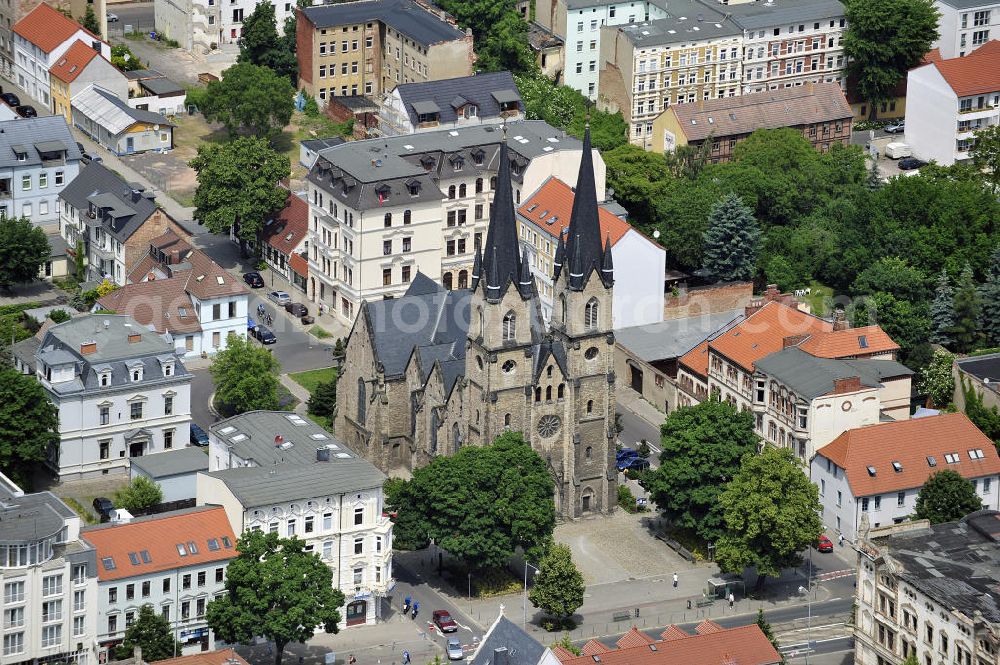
(756, 15)
(258, 486)
(259, 429)
(674, 337)
(476, 89)
(403, 15)
(518, 647)
(686, 20)
(125, 213)
(172, 462)
(28, 134)
(810, 377)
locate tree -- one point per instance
(139, 494)
(966, 328)
(987, 420)
(481, 503)
(276, 589)
(59, 316)
(246, 377)
(985, 154)
(238, 187)
(558, 588)
(29, 423)
(893, 275)
(905, 322)
(260, 44)
(152, 633)
(885, 39)
(90, 21)
(23, 250)
(943, 311)
(731, 241)
(567, 644)
(937, 380)
(771, 513)
(505, 47)
(323, 400)
(250, 100)
(765, 627)
(392, 491)
(946, 497)
(701, 449)
(123, 58)
(80, 261)
(989, 301)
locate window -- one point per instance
(105, 415)
(386, 276)
(359, 516)
(406, 274)
(43, 180)
(166, 585)
(979, 18)
(13, 617)
(113, 623)
(186, 581)
(51, 635)
(358, 576)
(52, 585)
(25, 182)
(51, 611)
(113, 595)
(980, 37)
(327, 521)
(135, 410)
(509, 326)
(220, 574)
(840, 498)
(900, 498)
(79, 600)
(168, 405)
(590, 314)
(864, 504)
(290, 527)
(13, 643)
(386, 247)
(878, 502)
(13, 592)
(201, 578)
(359, 545)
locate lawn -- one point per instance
(320, 333)
(310, 379)
(819, 298)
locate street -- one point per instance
(132, 17)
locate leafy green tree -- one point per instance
(946, 497)
(123, 58)
(275, 589)
(911, 659)
(392, 491)
(80, 261)
(966, 328)
(505, 47)
(238, 187)
(765, 627)
(250, 100)
(246, 377)
(943, 311)
(884, 40)
(702, 447)
(323, 400)
(23, 250)
(937, 380)
(985, 154)
(29, 423)
(771, 513)
(139, 494)
(731, 241)
(59, 316)
(565, 108)
(567, 644)
(644, 450)
(987, 420)
(989, 300)
(152, 633)
(260, 44)
(779, 270)
(481, 503)
(90, 22)
(893, 275)
(558, 588)
(905, 322)
(311, 107)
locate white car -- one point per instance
(455, 651)
(112, 18)
(280, 298)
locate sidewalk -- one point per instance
(298, 391)
(633, 402)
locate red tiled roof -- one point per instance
(159, 537)
(220, 657)
(289, 226)
(974, 74)
(47, 28)
(707, 626)
(163, 304)
(745, 645)
(934, 55)
(562, 653)
(205, 278)
(848, 343)
(73, 62)
(672, 632)
(555, 199)
(696, 360)
(910, 442)
(633, 638)
(298, 264)
(594, 647)
(763, 332)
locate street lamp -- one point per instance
(470, 593)
(525, 602)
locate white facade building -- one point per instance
(175, 562)
(277, 472)
(965, 25)
(876, 472)
(948, 100)
(49, 580)
(120, 390)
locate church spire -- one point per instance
(501, 259)
(607, 265)
(583, 246)
(477, 267)
(560, 257)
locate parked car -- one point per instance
(112, 18)
(263, 335)
(26, 111)
(896, 127)
(910, 163)
(103, 506)
(444, 622)
(897, 150)
(253, 280)
(455, 651)
(296, 309)
(281, 298)
(199, 437)
(824, 544)
(79, 146)
(11, 99)
(634, 464)
(89, 157)
(626, 453)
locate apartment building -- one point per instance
(965, 25)
(175, 562)
(692, 54)
(949, 100)
(383, 209)
(49, 579)
(368, 47)
(38, 159)
(119, 389)
(819, 110)
(275, 471)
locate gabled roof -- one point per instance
(115, 115)
(634, 638)
(289, 227)
(849, 342)
(550, 206)
(121, 212)
(220, 657)
(911, 443)
(810, 377)
(520, 647)
(451, 94)
(975, 74)
(672, 632)
(745, 645)
(154, 544)
(707, 627)
(593, 647)
(204, 278)
(28, 136)
(73, 62)
(763, 332)
(161, 304)
(47, 28)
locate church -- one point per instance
(435, 369)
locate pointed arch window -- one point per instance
(456, 437)
(479, 185)
(561, 391)
(362, 400)
(506, 420)
(548, 393)
(435, 424)
(562, 307)
(590, 314)
(509, 326)
(482, 322)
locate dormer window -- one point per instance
(470, 111)
(477, 156)
(135, 373)
(168, 369)
(105, 378)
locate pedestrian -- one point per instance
(675, 580)
(732, 599)
(406, 658)
(351, 660)
(840, 540)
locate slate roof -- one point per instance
(967, 4)
(259, 429)
(673, 338)
(681, 24)
(73, 62)
(405, 16)
(162, 86)
(549, 208)
(318, 144)
(30, 517)
(259, 486)
(758, 15)
(957, 564)
(910, 443)
(29, 134)
(974, 74)
(476, 89)
(810, 377)
(47, 28)
(983, 368)
(785, 107)
(519, 647)
(122, 213)
(585, 251)
(205, 279)
(172, 462)
(112, 113)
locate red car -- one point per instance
(824, 544)
(444, 622)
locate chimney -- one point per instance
(86, 348)
(501, 656)
(134, 338)
(772, 293)
(793, 340)
(848, 384)
(839, 321)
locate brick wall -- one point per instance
(707, 299)
(137, 246)
(304, 34)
